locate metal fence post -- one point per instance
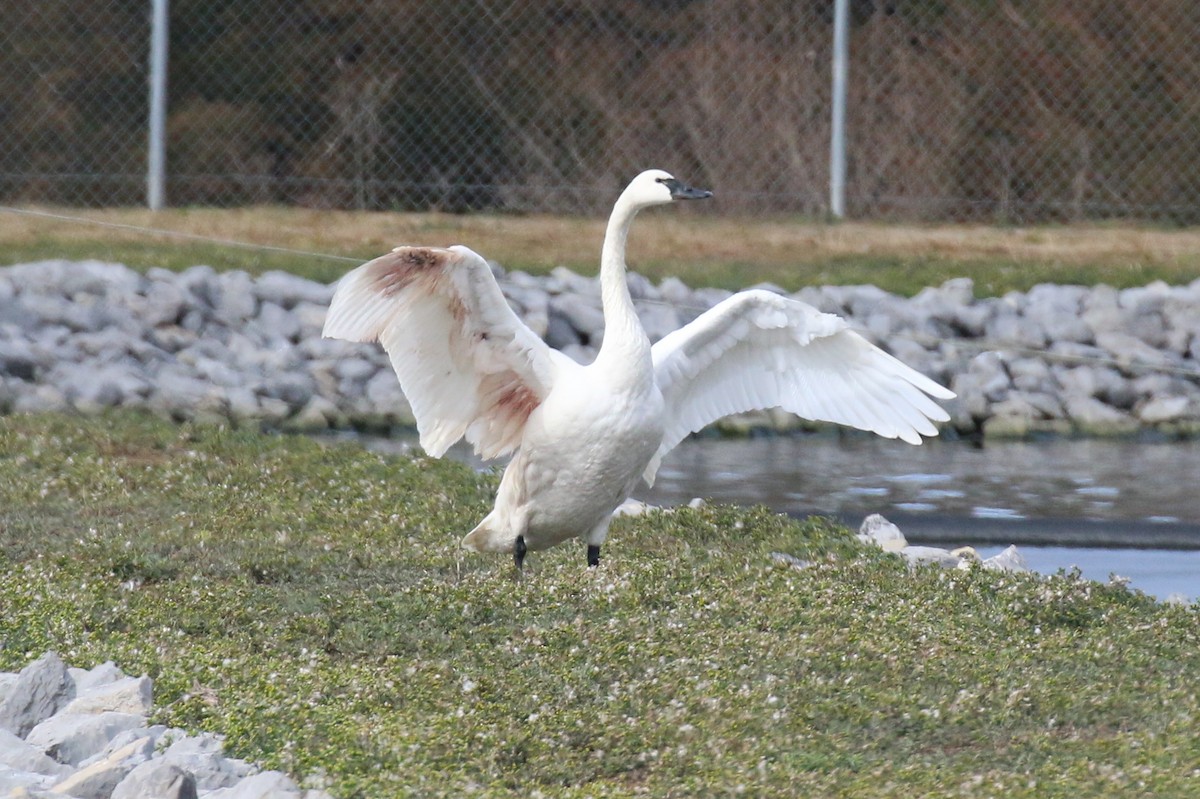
(837, 135)
(157, 157)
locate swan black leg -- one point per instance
(519, 550)
(593, 554)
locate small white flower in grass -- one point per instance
(468, 685)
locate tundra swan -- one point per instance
(584, 435)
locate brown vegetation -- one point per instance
(979, 110)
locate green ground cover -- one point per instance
(311, 603)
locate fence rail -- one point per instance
(1007, 110)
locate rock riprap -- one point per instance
(225, 346)
(73, 733)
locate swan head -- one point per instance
(656, 187)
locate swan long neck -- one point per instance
(625, 340)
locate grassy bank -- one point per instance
(311, 603)
(702, 250)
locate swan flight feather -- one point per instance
(757, 350)
(466, 362)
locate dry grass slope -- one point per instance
(701, 249)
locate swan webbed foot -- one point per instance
(519, 550)
(593, 555)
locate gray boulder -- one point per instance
(40, 398)
(17, 357)
(163, 303)
(675, 291)
(233, 298)
(935, 556)
(7, 681)
(41, 689)
(564, 281)
(294, 388)
(125, 695)
(177, 395)
(703, 299)
(72, 738)
(877, 530)
(1013, 417)
(640, 287)
(20, 784)
(1166, 409)
(201, 757)
(90, 389)
(971, 403)
(156, 779)
(1092, 416)
(1018, 331)
(353, 368)
(288, 290)
(560, 333)
(1056, 309)
(1010, 560)
(1130, 351)
(311, 318)
(584, 315)
(100, 778)
(266, 785)
(276, 323)
(658, 319)
(20, 755)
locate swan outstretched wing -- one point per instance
(758, 350)
(467, 364)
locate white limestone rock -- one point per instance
(265, 785)
(158, 779)
(877, 530)
(1093, 416)
(40, 690)
(1163, 409)
(288, 290)
(1010, 560)
(632, 507)
(19, 755)
(125, 695)
(72, 738)
(201, 757)
(100, 778)
(920, 556)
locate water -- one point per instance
(1124, 507)
(1106, 506)
(1148, 487)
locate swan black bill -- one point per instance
(682, 191)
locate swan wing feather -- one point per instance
(758, 350)
(467, 364)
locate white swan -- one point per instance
(584, 435)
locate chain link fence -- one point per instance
(995, 110)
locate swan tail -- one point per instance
(489, 537)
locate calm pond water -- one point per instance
(1107, 506)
